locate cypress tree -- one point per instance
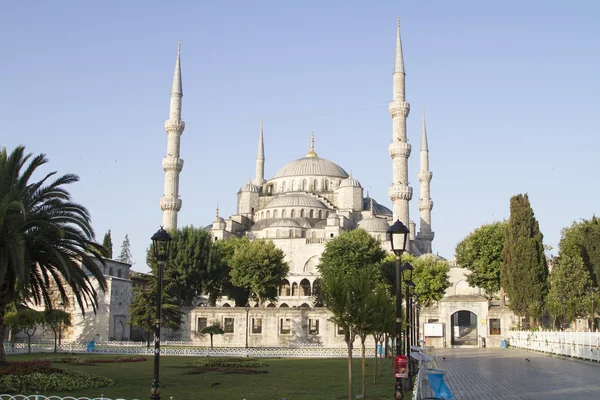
(107, 244)
(524, 273)
(125, 251)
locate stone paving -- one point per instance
(498, 374)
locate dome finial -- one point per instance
(217, 213)
(312, 153)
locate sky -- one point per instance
(510, 89)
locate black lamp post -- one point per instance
(398, 236)
(161, 243)
(247, 308)
(408, 328)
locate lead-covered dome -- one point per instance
(350, 182)
(374, 224)
(295, 200)
(311, 166)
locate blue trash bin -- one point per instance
(438, 386)
(503, 343)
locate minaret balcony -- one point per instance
(425, 204)
(172, 164)
(425, 176)
(399, 108)
(400, 193)
(426, 235)
(399, 149)
(171, 204)
(172, 126)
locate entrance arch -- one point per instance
(464, 328)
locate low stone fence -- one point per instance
(127, 348)
(585, 345)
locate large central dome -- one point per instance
(311, 166)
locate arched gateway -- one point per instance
(464, 328)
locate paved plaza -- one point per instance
(486, 374)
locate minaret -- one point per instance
(170, 204)
(425, 235)
(260, 159)
(400, 193)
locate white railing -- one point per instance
(258, 352)
(40, 397)
(585, 345)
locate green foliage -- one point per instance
(569, 278)
(431, 276)
(582, 239)
(218, 281)
(481, 253)
(107, 245)
(524, 273)
(44, 237)
(214, 329)
(233, 362)
(26, 320)
(189, 264)
(125, 256)
(55, 320)
(259, 266)
(53, 381)
(142, 311)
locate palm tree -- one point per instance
(46, 239)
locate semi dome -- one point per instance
(250, 187)
(295, 200)
(286, 223)
(311, 166)
(374, 224)
(350, 182)
(378, 209)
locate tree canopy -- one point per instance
(108, 245)
(259, 266)
(524, 273)
(142, 311)
(582, 239)
(125, 256)
(45, 237)
(481, 253)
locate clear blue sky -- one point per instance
(510, 89)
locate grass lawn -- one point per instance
(292, 379)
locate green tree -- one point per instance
(56, 320)
(349, 270)
(430, 275)
(125, 256)
(45, 238)
(569, 280)
(218, 279)
(259, 266)
(213, 329)
(142, 311)
(383, 319)
(582, 239)
(108, 245)
(524, 273)
(481, 253)
(26, 320)
(187, 266)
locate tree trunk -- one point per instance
(381, 361)
(375, 339)
(2, 329)
(349, 344)
(148, 338)
(55, 339)
(211, 340)
(363, 364)
(29, 343)
(260, 300)
(502, 298)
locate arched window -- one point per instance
(304, 287)
(277, 233)
(325, 185)
(293, 213)
(326, 214)
(313, 235)
(291, 233)
(268, 214)
(302, 213)
(285, 288)
(293, 185)
(311, 213)
(294, 289)
(315, 185)
(283, 186)
(304, 184)
(303, 233)
(262, 215)
(119, 273)
(274, 213)
(111, 271)
(320, 214)
(283, 213)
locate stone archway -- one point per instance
(464, 328)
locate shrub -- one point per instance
(229, 362)
(51, 379)
(226, 370)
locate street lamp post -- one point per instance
(398, 235)
(409, 326)
(161, 243)
(247, 308)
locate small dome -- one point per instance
(311, 166)
(287, 223)
(374, 224)
(250, 187)
(378, 209)
(350, 182)
(295, 200)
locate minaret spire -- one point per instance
(170, 203)
(400, 193)
(425, 235)
(259, 178)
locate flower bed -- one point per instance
(81, 360)
(226, 370)
(38, 376)
(228, 362)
